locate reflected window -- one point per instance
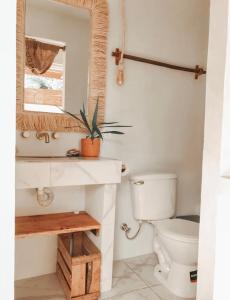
(44, 84)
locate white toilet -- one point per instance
(175, 240)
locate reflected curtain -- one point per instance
(39, 55)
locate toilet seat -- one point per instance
(179, 230)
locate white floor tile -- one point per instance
(132, 280)
(40, 288)
(49, 281)
(38, 294)
(164, 294)
(124, 280)
(143, 294)
(143, 266)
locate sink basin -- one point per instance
(45, 158)
(49, 158)
(53, 171)
(39, 156)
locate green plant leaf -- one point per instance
(72, 115)
(113, 132)
(68, 127)
(94, 121)
(98, 132)
(108, 123)
(116, 126)
(86, 123)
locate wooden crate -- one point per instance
(78, 266)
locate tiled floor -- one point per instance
(132, 280)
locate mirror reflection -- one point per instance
(57, 56)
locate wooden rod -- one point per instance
(197, 70)
(45, 42)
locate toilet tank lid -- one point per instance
(152, 175)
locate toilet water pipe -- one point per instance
(126, 229)
(44, 197)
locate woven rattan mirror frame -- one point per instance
(97, 70)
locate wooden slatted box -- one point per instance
(78, 266)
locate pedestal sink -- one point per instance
(45, 171)
(99, 176)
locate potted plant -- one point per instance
(90, 145)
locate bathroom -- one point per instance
(168, 122)
(165, 110)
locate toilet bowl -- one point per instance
(176, 245)
(175, 240)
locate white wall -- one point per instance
(214, 249)
(7, 152)
(44, 20)
(165, 107)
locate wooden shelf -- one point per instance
(55, 224)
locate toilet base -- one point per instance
(178, 280)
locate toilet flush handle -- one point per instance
(141, 182)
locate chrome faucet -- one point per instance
(43, 135)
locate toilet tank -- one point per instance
(153, 196)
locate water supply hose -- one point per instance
(127, 229)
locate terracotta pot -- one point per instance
(90, 148)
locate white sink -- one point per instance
(99, 178)
(51, 171)
(45, 158)
(56, 158)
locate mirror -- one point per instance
(61, 62)
(57, 56)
